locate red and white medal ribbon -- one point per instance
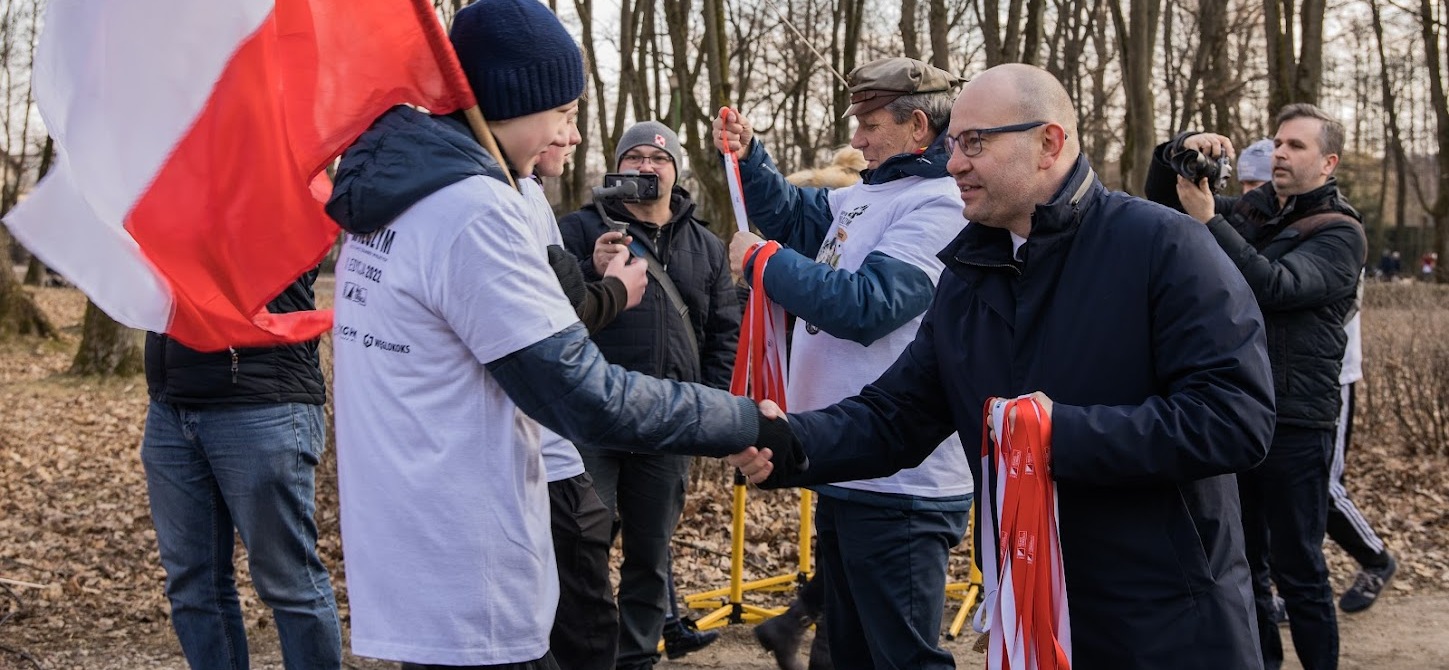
(1025, 608)
(760, 358)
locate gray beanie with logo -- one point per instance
(649, 133)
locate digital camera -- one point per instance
(1194, 167)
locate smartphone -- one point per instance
(646, 186)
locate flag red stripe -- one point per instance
(230, 219)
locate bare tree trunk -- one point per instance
(107, 348)
(940, 35)
(1439, 210)
(910, 47)
(1293, 76)
(1309, 77)
(1391, 118)
(19, 315)
(990, 14)
(1208, 71)
(852, 18)
(35, 270)
(1032, 33)
(1138, 55)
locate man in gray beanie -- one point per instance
(685, 329)
(455, 337)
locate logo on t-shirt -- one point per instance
(355, 293)
(344, 333)
(370, 342)
(379, 241)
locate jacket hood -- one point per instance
(930, 163)
(404, 157)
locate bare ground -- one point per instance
(73, 520)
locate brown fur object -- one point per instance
(843, 170)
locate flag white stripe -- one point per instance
(111, 88)
(118, 100)
(55, 224)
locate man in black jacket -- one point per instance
(231, 445)
(686, 331)
(1301, 248)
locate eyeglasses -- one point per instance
(969, 142)
(656, 160)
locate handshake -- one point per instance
(777, 455)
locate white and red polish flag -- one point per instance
(191, 141)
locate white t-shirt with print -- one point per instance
(445, 514)
(560, 458)
(910, 220)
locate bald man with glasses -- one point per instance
(1139, 338)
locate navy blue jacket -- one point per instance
(862, 306)
(1130, 318)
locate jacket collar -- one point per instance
(929, 163)
(1325, 197)
(990, 248)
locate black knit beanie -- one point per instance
(518, 58)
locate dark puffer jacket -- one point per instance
(180, 375)
(651, 338)
(1306, 284)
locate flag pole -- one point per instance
(479, 125)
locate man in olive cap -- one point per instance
(859, 271)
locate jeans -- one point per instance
(214, 472)
(647, 493)
(884, 572)
(1285, 512)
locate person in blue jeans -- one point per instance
(231, 446)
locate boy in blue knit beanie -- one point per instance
(453, 342)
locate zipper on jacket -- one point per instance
(234, 364)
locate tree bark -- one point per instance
(1439, 101)
(940, 35)
(19, 314)
(910, 46)
(1137, 33)
(107, 348)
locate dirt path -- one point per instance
(1399, 633)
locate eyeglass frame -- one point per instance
(654, 160)
(954, 142)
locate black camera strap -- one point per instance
(661, 277)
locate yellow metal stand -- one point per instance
(727, 604)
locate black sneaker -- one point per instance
(1280, 611)
(682, 636)
(1367, 585)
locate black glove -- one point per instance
(566, 268)
(788, 454)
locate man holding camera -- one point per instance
(1300, 247)
(685, 329)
